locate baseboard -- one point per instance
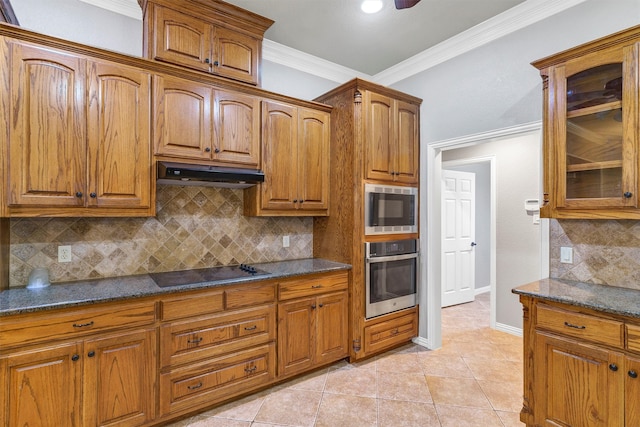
(422, 342)
(483, 290)
(508, 329)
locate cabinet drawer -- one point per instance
(191, 340)
(390, 332)
(194, 304)
(73, 322)
(250, 294)
(633, 338)
(217, 379)
(579, 325)
(313, 286)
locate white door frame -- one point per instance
(429, 297)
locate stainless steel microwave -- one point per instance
(390, 209)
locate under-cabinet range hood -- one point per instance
(208, 176)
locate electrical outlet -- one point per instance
(566, 255)
(285, 241)
(64, 253)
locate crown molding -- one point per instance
(293, 58)
(129, 8)
(514, 19)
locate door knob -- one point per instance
(474, 244)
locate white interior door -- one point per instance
(458, 234)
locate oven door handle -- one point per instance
(391, 258)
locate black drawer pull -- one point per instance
(195, 387)
(251, 370)
(195, 341)
(571, 325)
(251, 328)
(82, 325)
(633, 374)
(316, 286)
(75, 357)
(613, 367)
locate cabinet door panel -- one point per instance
(119, 379)
(407, 154)
(280, 136)
(580, 388)
(632, 391)
(183, 121)
(236, 55)
(119, 137)
(313, 159)
(41, 387)
(47, 147)
(379, 136)
(182, 39)
(237, 128)
(332, 338)
(296, 326)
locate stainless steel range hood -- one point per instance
(207, 176)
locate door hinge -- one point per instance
(356, 345)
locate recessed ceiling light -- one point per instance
(371, 6)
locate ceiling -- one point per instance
(338, 31)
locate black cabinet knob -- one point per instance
(313, 307)
(295, 200)
(207, 149)
(633, 374)
(613, 367)
(75, 357)
(301, 201)
(627, 194)
(217, 150)
(79, 194)
(216, 63)
(93, 195)
(207, 60)
(91, 353)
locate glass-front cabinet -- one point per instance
(590, 123)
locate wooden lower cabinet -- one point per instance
(389, 331)
(104, 381)
(312, 325)
(216, 380)
(580, 367)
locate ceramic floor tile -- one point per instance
(501, 395)
(290, 407)
(399, 362)
(510, 419)
(457, 416)
(401, 386)
(395, 413)
(352, 381)
(479, 350)
(495, 370)
(314, 381)
(457, 391)
(445, 366)
(347, 411)
(244, 409)
(217, 422)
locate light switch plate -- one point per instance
(285, 241)
(566, 255)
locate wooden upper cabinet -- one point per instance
(80, 136)
(47, 147)
(213, 37)
(295, 160)
(119, 137)
(392, 139)
(196, 121)
(590, 129)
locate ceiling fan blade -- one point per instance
(405, 4)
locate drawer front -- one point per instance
(633, 338)
(193, 305)
(248, 295)
(216, 380)
(188, 341)
(579, 325)
(72, 323)
(391, 332)
(313, 286)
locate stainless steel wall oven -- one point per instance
(391, 276)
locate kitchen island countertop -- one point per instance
(604, 298)
(61, 295)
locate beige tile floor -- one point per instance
(475, 379)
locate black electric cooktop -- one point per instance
(206, 275)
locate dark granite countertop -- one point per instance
(61, 295)
(608, 299)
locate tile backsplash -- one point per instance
(195, 227)
(604, 251)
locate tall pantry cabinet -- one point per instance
(374, 138)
